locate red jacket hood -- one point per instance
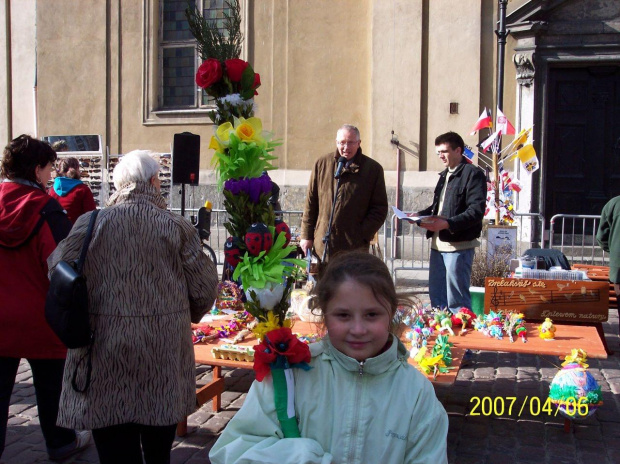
(20, 206)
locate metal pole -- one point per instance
(501, 52)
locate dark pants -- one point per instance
(47, 379)
(120, 444)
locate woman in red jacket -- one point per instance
(72, 194)
(31, 225)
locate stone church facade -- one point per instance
(403, 70)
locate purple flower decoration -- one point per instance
(254, 187)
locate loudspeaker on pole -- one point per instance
(185, 158)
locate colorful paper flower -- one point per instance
(272, 323)
(209, 73)
(254, 187)
(268, 296)
(279, 342)
(242, 150)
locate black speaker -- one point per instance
(185, 158)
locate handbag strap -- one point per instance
(89, 234)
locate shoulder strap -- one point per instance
(89, 234)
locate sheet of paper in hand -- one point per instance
(401, 215)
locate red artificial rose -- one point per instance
(209, 72)
(279, 342)
(256, 84)
(235, 68)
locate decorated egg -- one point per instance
(574, 391)
(282, 226)
(232, 251)
(258, 238)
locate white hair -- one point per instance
(350, 128)
(135, 166)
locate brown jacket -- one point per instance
(360, 210)
(147, 278)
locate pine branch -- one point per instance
(212, 43)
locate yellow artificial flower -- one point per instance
(222, 134)
(215, 144)
(249, 130)
(270, 324)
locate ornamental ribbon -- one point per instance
(284, 397)
(278, 353)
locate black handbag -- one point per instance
(66, 306)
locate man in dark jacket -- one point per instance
(361, 206)
(455, 224)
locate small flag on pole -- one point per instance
(468, 154)
(528, 158)
(484, 121)
(485, 144)
(503, 125)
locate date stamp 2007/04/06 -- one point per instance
(512, 406)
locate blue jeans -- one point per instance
(449, 279)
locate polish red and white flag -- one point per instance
(484, 121)
(503, 125)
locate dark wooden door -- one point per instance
(583, 149)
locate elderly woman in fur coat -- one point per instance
(148, 279)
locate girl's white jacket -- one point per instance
(381, 411)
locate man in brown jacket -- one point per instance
(361, 206)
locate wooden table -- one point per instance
(214, 389)
(567, 337)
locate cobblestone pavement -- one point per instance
(534, 437)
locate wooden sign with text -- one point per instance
(560, 300)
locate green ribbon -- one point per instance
(280, 393)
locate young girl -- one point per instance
(361, 402)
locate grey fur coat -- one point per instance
(147, 278)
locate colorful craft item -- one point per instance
(281, 350)
(431, 364)
(232, 251)
(204, 333)
(574, 390)
(443, 321)
(243, 155)
(492, 325)
(576, 356)
(282, 227)
(464, 318)
(229, 296)
(258, 238)
(309, 338)
(444, 348)
(515, 324)
(547, 330)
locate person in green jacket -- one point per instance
(361, 401)
(608, 237)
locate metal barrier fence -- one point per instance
(575, 236)
(406, 248)
(409, 249)
(219, 234)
